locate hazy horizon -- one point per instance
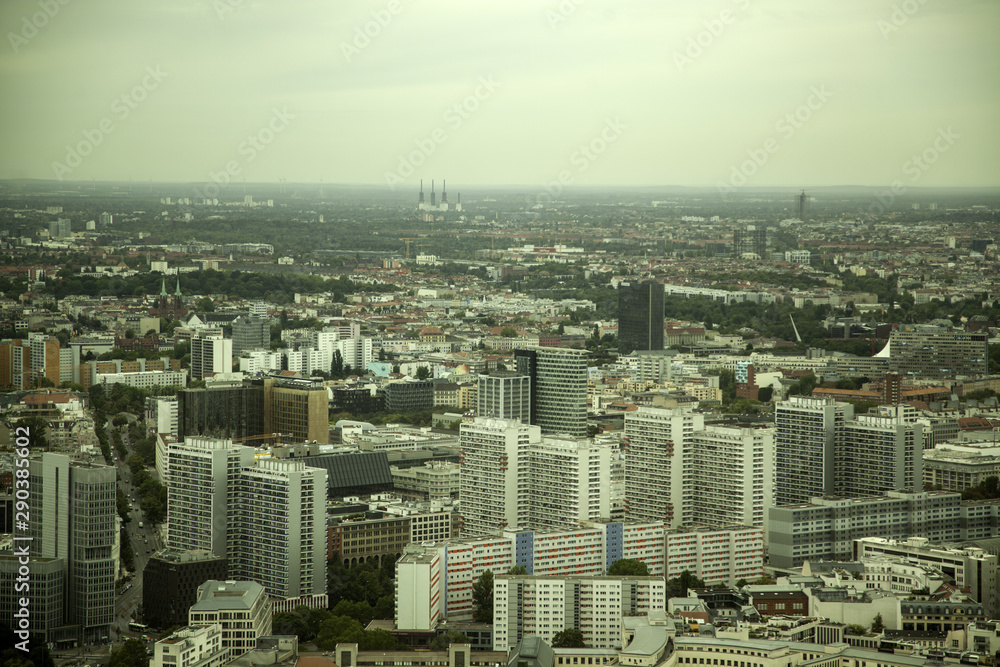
(513, 94)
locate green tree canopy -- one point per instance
(482, 598)
(679, 585)
(568, 638)
(132, 653)
(446, 639)
(627, 567)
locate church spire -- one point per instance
(177, 292)
(163, 286)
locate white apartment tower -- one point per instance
(494, 485)
(210, 354)
(806, 430)
(728, 476)
(544, 606)
(279, 528)
(655, 443)
(568, 482)
(201, 482)
(879, 454)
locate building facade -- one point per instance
(558, 388)
(640, 316)
(504, 395)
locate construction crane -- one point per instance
(408, 242)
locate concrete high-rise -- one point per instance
(878, 454)
(655, 442)
(640, 316)
(805, 433)
(279, 528)
(504, 395)
(729, 476)
(494, 474)
(558, 388)
(209, 355)
(250, 333)
(932, 352)
(74, 518)
(267, 518)
(568, 481)
(199, 486)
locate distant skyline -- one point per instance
(722, 94)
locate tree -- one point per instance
(877, 624)
(854, 629)
(765, 393)
(205, 305)
(518, 571)
(337, 365)
(508, 332)
(482, 598)
(378, 639)
(446, 639)
(130, 654)
(423, 372)
(678, 586)
(627, 567)
(338, 630)
(568, 638)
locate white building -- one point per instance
(804, 442)
(191, 647)
(418, 585)
(210, 354)
(569, 481)
(144, 379)
(493, 475)
(241, 608)
(728, 476)
(716, 554)
(199, 483)
(544, 606)
(161, 415)
(279, 527)
(655, 442)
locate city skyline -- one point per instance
(551, 95)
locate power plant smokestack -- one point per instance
(433, 196)
(421, 199)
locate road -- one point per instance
(145, 542)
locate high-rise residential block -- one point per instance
(729, 476)
(558, 388)
(640, 316)
(200, 492)
(493, 474)
(209, 355)
(266, 517)
(878, 454)
(805, 433)
(278, 528)
(568, 482)
(655, 442)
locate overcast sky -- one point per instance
(496, 92)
